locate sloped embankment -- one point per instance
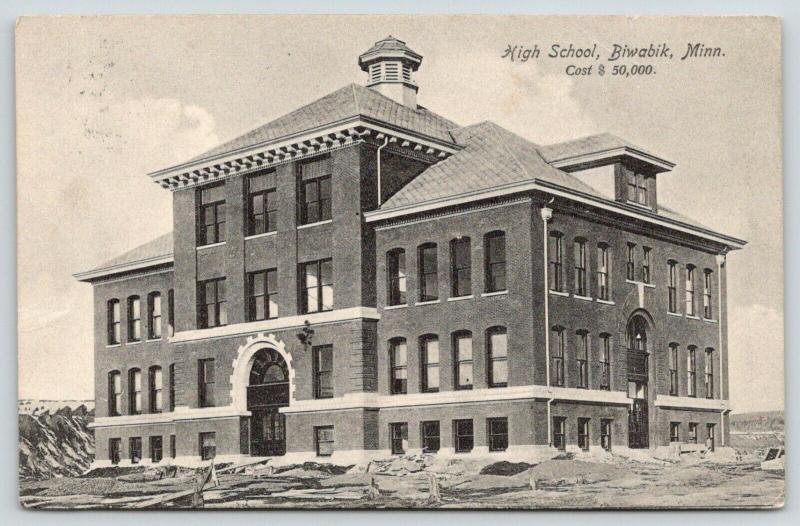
(55, 444)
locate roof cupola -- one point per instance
(390, 66)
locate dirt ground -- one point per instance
(407, 483)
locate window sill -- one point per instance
(256, 236)
(318, 223)
(430, 302)
(605, 302)
(394, 307)
(559, 293)
(676, 314)
(688, 317)
(459, 298)
(137, 342)
(648, 285)
(584, 298)
(212, 245)
(639, 205)
(496, 293)
(709, 320)
(113, 345)
(149, 340)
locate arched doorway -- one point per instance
(267, 392)
(637, 361)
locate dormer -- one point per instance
(617, 168)
(390, 66)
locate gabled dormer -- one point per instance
(627, 173)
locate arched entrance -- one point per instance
(267, 392)
(637, 360)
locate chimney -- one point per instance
(390, 67)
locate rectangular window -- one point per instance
(692, 433)
(262, 204)
(559, 433)
(691, 372)
(323, 371)
(156, 389)
(114, 450)
(113, 322)
(556, 253)
(211, 215)
(497, 345)
(173, 451)
(399, 437)
(396, 271)
(262, 295)
(583, 433)
(156, 449)
(707, 312)
(208, 445)
(603, 272)
(317, 285)
(709, 373)
(205, 382)
(430, 436)
(114, 393)
(645, 264)
(710, 439)
(135, 448)
(154, 316)
(557, 356)
(323, 441)
(429, 346)
(463, 437)
(398, 357)
(212, 305)
(460, 267)
(315, 191)
(134, 319)
(495, 254)
(631, 262)
(631, 180)
(637, 188)
(673, 287)
(428, 273)
(583, 360)
(605, 433)
(674, 431)
(673, 369)
(172, 387)
(171, 313)
(605, 362)
(462, 344)
(689, 290)
(580, 268)
(134, 392)
(497, 433)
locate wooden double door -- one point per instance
(267, 432)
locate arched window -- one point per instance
(637, 334)
(460, 267)
(134, 319)
(113, 323)
(398, 364)
(497, 354)
(673, 369)
(268, 367)
(709, 372)
(691, 370)
(154, 315)
(581, 285)
(134, 391)
(494, 253)
(156, 382)
(582, 358)
(556, 256)
(114, 393)
(429, 359)
(557, 346)
(605, 361)
(427, 257)
(603, 272)
(462, 359)
(396, 271)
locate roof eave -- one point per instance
(91, 275)
(604, 157)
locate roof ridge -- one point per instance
(494, 127)
(355, 97)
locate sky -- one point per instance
(102, 102)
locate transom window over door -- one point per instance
(462, 345)
(497, 346)
(495, 255)
(211, 214)
(315, 191)
(114, 335)
(428, 272)
(262, 205)
(317, 281)
(396, 270)
(581, 288)
(460, 267)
